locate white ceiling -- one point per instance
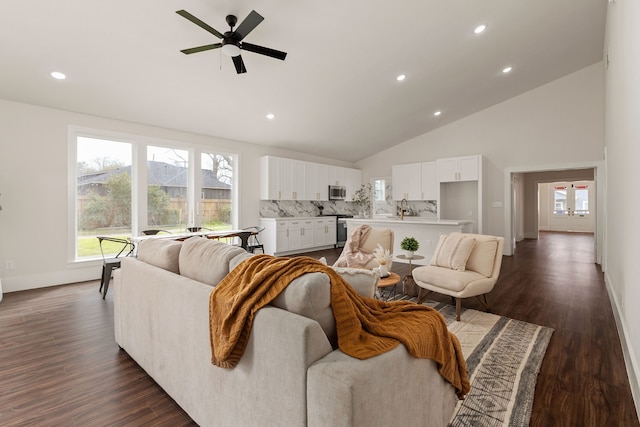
(335, 95)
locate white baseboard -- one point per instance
(633, 370)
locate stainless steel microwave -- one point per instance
(337, 192)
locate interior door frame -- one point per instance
(599, 179)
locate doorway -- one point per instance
(566, 206)
(521, 200)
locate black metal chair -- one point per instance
(110, 264)
(254, 241)
(196, 229)
(153, 232)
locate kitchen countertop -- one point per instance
(412, 220)
(298, 217)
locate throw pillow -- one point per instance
(453, 251)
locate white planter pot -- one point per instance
(408, 254)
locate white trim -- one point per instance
(633, 370)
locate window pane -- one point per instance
(560, 200)
(103, 195)
(216, 194)
(582, 200)
(167, 188)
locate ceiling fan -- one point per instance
(232, 40)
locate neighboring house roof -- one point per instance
(160, 173)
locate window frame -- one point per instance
(139, 180)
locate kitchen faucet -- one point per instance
(402, 208)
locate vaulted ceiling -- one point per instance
(335, 95)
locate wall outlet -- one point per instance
(8, 265)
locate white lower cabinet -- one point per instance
(291, 235)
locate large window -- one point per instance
(116, 195)
(216, 191)
(103, 193)
(167, 188)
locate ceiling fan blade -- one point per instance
(239, 63)
(199, 23)
(249, 23)
(201, 48)
(263, 50)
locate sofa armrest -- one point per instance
(393, 388)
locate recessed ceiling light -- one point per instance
(437, 113)
(271, 116)
(506, 70)
(58, 75)
(401, 77)
(480, 29)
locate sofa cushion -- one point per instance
(162, 253)
(377, 236)
(483, 255)
(362, 280)
(206, 260)
(445, 277)
(309, 296)
(453, 251)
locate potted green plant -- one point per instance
(409, 245)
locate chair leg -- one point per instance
(484, 301)
(107, 279)
(420, 297)
(458, 308)
(104, 272)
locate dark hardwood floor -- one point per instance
(60, 366)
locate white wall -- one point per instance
(555, 124)
(33, 188)
(622, 136)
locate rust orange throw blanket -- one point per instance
(366, 327)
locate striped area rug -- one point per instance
(504, 358)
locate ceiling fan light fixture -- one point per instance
(230, 49)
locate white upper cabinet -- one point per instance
(316, 181)
(430, 184)
(270, 178)
(352, 182)
(407, 181)
(458, 169)
(286, 179)
(336, 175)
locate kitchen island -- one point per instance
(426, 231)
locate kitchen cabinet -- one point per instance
(335, 176)
(352, 182)
(324, 232)
(430, 184)
(283, 236)
(458, 169)
(281, 179)
(316, 181)
(407, 181)
(287, 179)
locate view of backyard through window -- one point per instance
(104, 204)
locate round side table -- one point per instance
(389, 284)
(409, 286)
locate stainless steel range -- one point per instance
(341, 228)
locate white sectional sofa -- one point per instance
(290, 374)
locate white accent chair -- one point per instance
(462, 275)
(357, 254)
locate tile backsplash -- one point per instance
(304, 208)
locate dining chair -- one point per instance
(253, 240)
(110, 264)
